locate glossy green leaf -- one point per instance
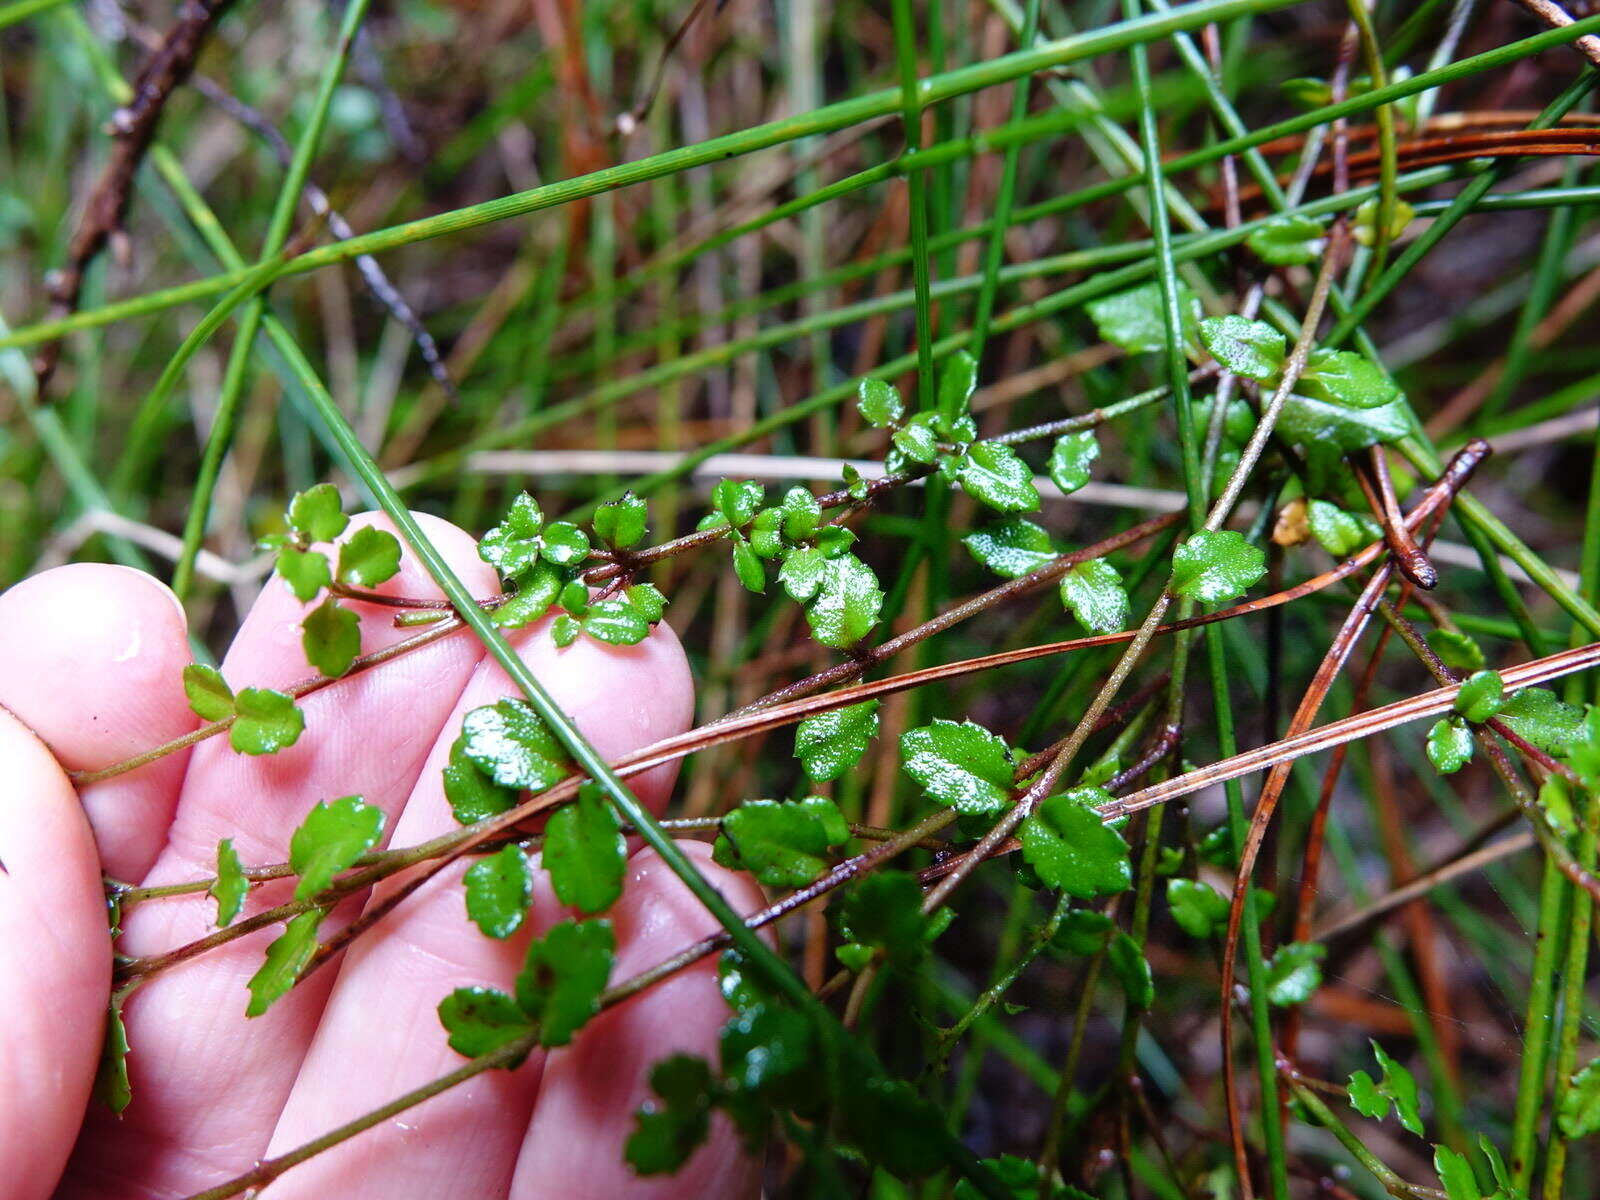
(1455, 1173)
(1449, 745)
(562, 977)
(766, 536)
(563, 544)
(316, 514)
(111, 1086)
(208, 692)
(801, 514)
(771, 1051)
(959, 764)
(1011, 548)
(616, 622)
(1338, 532)
(1072, 849)
(622, 523)
(1580, 1106)
(1294, 973)
(957, 382)
(1082, 931)
(1365, 1097)
(1197, 907)
(1135, 319)
(370, 557)
(830, 743)
(1398, 1087)
(879, 402)
(331, 637)
(536, 592)
(574, 597)
(512, 546)
(334, 834)
(305, 571)
(737, 500)
(841, 595)
(1347, 379)
(512, 744)
(1216, 566)
(784, 844)
(1537, 716)
(917, 440)
(498, 889)
(884, 910)
(1252, 349)
(1456, 650)
(667, 1133)
(1288, 241)
(747, 567)
(1071, 458)
(995, 474)
(286, 957)
(473, 795)
(265, 721)
(1092, 591)
(1481, 696)
(480, 1020)
(647, 601)
(1131, 969)
(1307, 421)
(564, 630)
(229, 887)
(585, 852)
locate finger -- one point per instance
(55, 964)
(591, 1089)
(380, 1036)
(91, 659)
(208, 1084)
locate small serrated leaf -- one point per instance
(1011, 548)
(482, 1019)
(1338, 532)
(334, 834)
(1092, 591)
(1288, 241)
(1197, 907)
(370, 557)
(1216, 565)
(513, 745)
(562, 544)
(208, 692)
(536, 592)
(995, 474)
(512, 546)
(747, 566)
(472, 794)
(316, 514)
(1580, 1106)
(830, 743)
(286, 957)
(1131, 969)
(1294, 973)
(1481, 696)
(1347, 379)
(1072, 850)
(1449, 745)
(1250, 348)
(879, 402)
(783, 844)
(622, 523)
(265, 721)
(959, 764)
(616, 622)
(331, 638)
(562, 977)
(585, 852)
(1070, 459)
(229, 887)
(498, 888)
(306, 572)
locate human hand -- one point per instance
(90, 667)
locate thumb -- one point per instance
(55, 963)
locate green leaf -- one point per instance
(879, 402)
(1070, 459)
(1365, 1097)
(665, 1135)
(771, 1051)
(1011, 548)
(1535, 715)
(1249, 348)
(1580, 1106)
(334, 834)
(230, 886)
(498, 890)
(208, 692)
(647, 601)
(1082, 931)
(957, 382)
(1131, 969)
(585, 852)
(622, 523)
(536, 592)
(1288, 241)
(1449, 745)
(305, 571)
(917, 440)
(784, 844)
(331, 638)
(1072, 849)
(574, 597)
(1347, 379)
(1309, 422)
(1366, 227)
(1093, 592)
(562, 977)
(885, 910)
(511, 743)
(1135, 319)
(473, 795)
(842, 596)
(994, 473)
(481, 1020)
(1197, 907)
(747, 566)
(1481, 696)
(959, 764)
(287, 956)
(369, 557)
(266, 721)
(1456, 650)
(830, 743)
(562, 544)
(564, 630)
(512, 547)
(801, 514)
(1338, 532)
(616, 622)
(853, 956)
(111, 1084)
(1455, 1173)
(1293, 973)
(1400, 1089)
(1215, 566)
(766, 536)
(316, 514)
(737, 500)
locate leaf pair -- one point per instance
(264, 720)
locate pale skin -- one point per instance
(90, 663)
